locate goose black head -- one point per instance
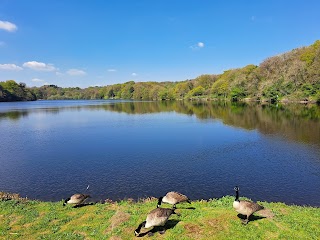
(137, 231)
(236, 188)
(65, 201)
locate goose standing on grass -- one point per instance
(157, 217)
(246, 208)
(76, 199)
(173, 198)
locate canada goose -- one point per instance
(246, 208)
(173, 198)
(76, 199)
(157, 217)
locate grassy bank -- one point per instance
(214, 219)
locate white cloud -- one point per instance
(8, 26)
(112, 70)
(37, 80)
(197, 46)
(200, 44)
(39, 66)
(11, 67)
(76, 72)
(134, 74)
(59, 74)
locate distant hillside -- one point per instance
(292, 76)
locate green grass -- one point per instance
(214, 219)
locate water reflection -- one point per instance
(296, 122)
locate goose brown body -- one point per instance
(157, 217)
(173, 198)
(76, 199)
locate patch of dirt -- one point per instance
(192, 228)
(208, 227)
(216, 224)
(118, 218)
(283, 211)
(266, 213)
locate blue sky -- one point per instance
(87, 43)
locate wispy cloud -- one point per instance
(134, 74)
(8, 26)
(76, 72)
(37, 80)
(59, 74)
(10, 67)
(112, 70)
(197, 46)
(39, 66)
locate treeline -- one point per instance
(292, 76)
(12, 91)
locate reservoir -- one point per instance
(50, 150)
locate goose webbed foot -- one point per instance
(245, 221)
(162, 231)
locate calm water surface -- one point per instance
(51, 149)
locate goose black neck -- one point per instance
(237, 195)
(159, 201)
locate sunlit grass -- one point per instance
(214, 219)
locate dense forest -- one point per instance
(292, 76)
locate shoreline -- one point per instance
(7, 196)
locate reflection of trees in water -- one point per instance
(17, 114)
(13, 115)
(295, 121)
